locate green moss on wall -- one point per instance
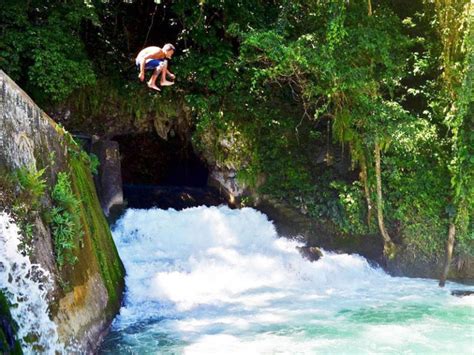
(97, 230)
(9, 344)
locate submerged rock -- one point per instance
(310, 253)
(462, 293)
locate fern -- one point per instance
(65, 223)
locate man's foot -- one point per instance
(153, 86)
(166, 83)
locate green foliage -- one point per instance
(32, 185)
(351, 199)
(271, 85)
(416, 192)
(41, 46)
(24, 189)
(455, 105)
(94, 163)
(65, 222)
(76, 150)
(91, 160)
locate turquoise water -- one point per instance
(220, 281)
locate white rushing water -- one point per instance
(220, 281)
(25, 285)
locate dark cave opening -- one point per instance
(163, 173)
(147, 159)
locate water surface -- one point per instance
(211, 280)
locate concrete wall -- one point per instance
(87, 294)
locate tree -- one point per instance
(455, 21)
(42, 49)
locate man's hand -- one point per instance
(172, 76)
(141, 76)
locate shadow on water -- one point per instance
(177, 197)
(140, 340)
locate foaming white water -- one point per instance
(25, 285)
(216, 280)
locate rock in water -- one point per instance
(310, 253)
(462, 293)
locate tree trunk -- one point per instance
(364, 178)
(449, 254)
(369, 7)
(388, 244)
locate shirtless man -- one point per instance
(155, 58)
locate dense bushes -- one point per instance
(42, 49)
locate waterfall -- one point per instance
(209, 280)
(25, 285)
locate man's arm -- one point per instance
(170, 74)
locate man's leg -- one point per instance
(152, 81)
(165, 82)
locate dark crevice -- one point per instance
(163, 173)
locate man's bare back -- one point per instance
(151, 53)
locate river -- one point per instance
(25, 286)
(212, 280)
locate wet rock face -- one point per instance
(310, 253)
(407, 264)
(226, 181)
(292, 223)
(85, 307)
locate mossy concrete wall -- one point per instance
(87, 294)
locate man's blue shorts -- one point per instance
(151, 64)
